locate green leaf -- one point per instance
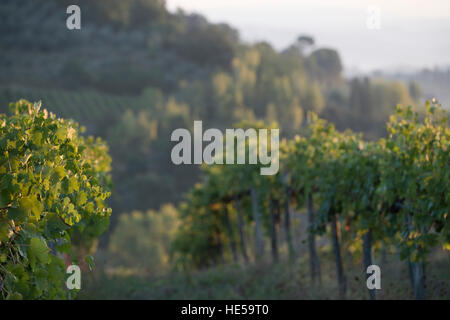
(38, 250)
(81, 198)
(54, 224)
(4, 231)
(73, 185)
(61, 133)
(32, 206)
(4, 198)
(17, 214)
(89, 207)
(37, 138)
(58, 174)
(90, 261)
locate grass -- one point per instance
(267, 281)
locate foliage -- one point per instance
(149, 254)
(415, 172)
(53, 183)
(358, 181)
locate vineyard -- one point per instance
(363, 196)
(366, 195)
(87, 107)
(93, 179)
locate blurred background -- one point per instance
(138, 69)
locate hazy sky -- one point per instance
(413, 33)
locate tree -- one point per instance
(304, 42)
(325, 65)
(414, 91)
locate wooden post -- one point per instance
(241, 228)
(337, 254)
(259, 249)
(273, 233)
(314, 262)
(230, 234)
(287, 228)
(367, 252)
